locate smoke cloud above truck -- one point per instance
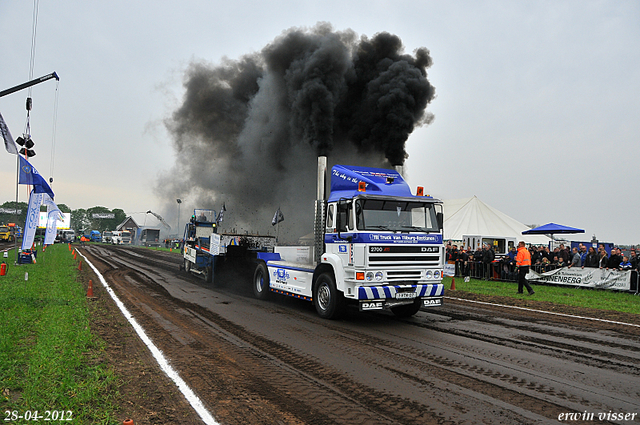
(249, 130)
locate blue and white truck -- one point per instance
(377, 246)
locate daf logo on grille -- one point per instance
(429, 249)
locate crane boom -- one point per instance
(29, 84)
(159, 218)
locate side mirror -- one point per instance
(341, 217)
(440, 219)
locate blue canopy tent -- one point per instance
(552, 229)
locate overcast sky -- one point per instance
(537, 108)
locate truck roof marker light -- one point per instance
(420, 191)
(362, 187)
(359, 275)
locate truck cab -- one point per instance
(95, 236)
(378, 246)
(121, 237)
(106, 236)
(201, 243)
(6, 234)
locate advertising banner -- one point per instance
(61, 223)
(103, 215)
(585, 278)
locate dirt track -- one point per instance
(276, 362)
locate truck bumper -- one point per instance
(387, 297)
(399, 292)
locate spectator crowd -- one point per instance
(483, 264)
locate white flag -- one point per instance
(9, 143)
(53, 215)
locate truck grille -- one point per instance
(404, 260)
(403, 263)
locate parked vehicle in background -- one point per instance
(9, 232)
(106, 236)
(95, 236)
(121, 237)
(6, 233)
(65, 236)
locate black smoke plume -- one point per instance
(249, 130)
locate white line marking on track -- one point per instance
(547, 312)
(191, 397)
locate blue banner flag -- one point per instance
(29, 175)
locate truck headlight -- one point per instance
(429, 274)
(436, 274)
(369, 276)
(379, 276)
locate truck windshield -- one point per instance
(397, 216)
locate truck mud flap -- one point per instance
(369, 305)
(432, 301)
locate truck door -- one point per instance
(345, 225)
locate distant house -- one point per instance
(130, 224)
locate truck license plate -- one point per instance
(403, 295)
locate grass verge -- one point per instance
(576, 297)
(49, 360)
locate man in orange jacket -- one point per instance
(523, 262)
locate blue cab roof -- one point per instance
(378, 181)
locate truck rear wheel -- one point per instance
(187, 265)
(261, 282)
(328, 301)
(208, 274)
(407, 310)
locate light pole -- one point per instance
(179, 201)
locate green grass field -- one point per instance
(49, 360)
(576, 297)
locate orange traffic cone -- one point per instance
(74, 254)
(69, 247)
(453, 283)
(128, 422)
(90, 289)
(80, 265)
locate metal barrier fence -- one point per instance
(506, 271)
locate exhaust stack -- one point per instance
(399, 169)
(322, 177)
(318, 228)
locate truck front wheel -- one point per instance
(328, 301)
(187, 265)
(261, 282)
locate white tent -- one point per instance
(471, 216)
